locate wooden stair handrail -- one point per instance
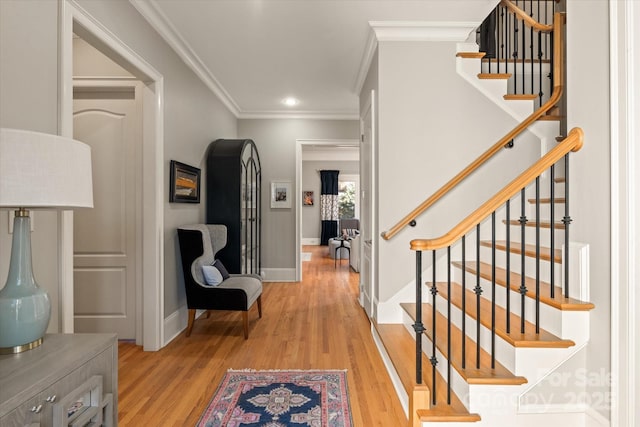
(528, 20)
(558, 87)
(573, 142)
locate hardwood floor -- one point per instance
(315, 324)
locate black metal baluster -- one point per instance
(500, 37)
(509, 40)
(541, 91)
(523, 285)
(418, 326)
(508, 265)
(434, 358)
(531, 47)
(566, 220)
(478, 291)
(552, 60)
(516, 29)
(523, 54)
(493, 290)
(552, 242)
(464, 303)
(537, 255)
(449, 355)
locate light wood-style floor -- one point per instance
(315, 324)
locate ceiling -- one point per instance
(255, 53)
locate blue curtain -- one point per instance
(328, 205)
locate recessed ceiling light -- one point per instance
(290, 101)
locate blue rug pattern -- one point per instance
(279, 399)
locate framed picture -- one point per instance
(307, 198)
(281, 194)
(184, 184)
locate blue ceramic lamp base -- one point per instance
(25, 308)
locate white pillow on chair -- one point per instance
(212, 276)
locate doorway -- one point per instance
(317, 153)
(75, 21)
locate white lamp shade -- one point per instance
(43, 170)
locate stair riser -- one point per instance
(516, 263)
(530, 234)
(550, 318)
(545, 210)
(518, 69)
(505, 352)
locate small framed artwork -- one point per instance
(184, 185)
(307, 198)
(281, 194)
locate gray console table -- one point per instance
(69, 380)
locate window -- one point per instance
(348, 205)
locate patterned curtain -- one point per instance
(329, 205)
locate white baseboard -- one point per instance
(279, 274)
(177, 322)
(395, 379)
(311, 241)
(595, 418)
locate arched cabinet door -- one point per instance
(233, 191)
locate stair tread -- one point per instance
(401, 348)
(515, 337)
(532, 223)
(529, 250)
(560, 301)
(547, 200)
(471, 55)
(494, 76)
(473, 375)
(521, 96)
(560, 179)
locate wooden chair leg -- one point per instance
(192, 318)
(260, 306)
(245, 322)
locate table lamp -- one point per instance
(41, 171)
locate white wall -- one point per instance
(90, 62)
(431, 125)
(588, 108)
(276, 142)
(29, 100)
(193, 116)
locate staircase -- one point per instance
(501, 311)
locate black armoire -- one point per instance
(233, 199)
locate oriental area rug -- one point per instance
(279, 399)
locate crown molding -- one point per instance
(422, 30)
(310, 115)
(409, 31)
(365, 63)
(159, 21)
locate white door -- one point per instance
(367, 208)
(106, 242)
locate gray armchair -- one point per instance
(199, 244)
